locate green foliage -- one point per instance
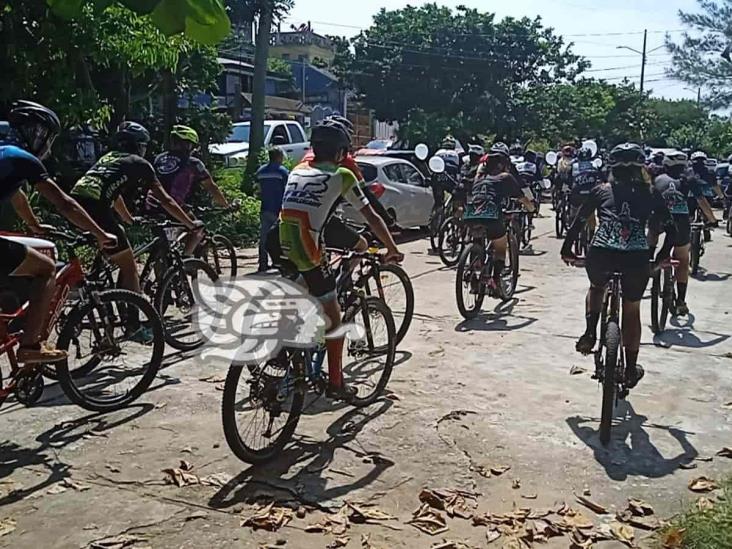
(204, 21)
(243, 227)
(279, 67)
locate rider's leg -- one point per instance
(598, 271)
(191, 242)
(500, 247)
(41, 270)
(682, 255)
(635, 280)
(128, 279)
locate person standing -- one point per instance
(271, 178)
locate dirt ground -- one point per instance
(495, 393)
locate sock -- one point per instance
(592, 319)
(631, 358)
(681, 291)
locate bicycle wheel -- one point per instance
(220, 253)
(729, 221)
(612, 348)
(260, 414)
(107, 370)
(656, 299)
(559, 220)
(668, 306)
(394, 287)
(528, 222)
(450, 242)
(469, 287)
(510, 274)
(175, 302)
(695, 250)
(370, 346)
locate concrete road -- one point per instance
(467, 397)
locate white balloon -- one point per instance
(551, 158)
(437, 164)
(590, 144)
(421, 151)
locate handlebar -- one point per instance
(73, 240)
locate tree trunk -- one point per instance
(170, 104)
(261, 53)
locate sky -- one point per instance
(605, 20)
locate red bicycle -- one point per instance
(107, 368)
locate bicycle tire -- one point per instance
(406, 316)
(559, 221)
(450, 260)
(219, 252)
(368, 307)
(612, 349)
(668, 303)
(656, 299)
(467, 259)
(191, 267)
(509, 280)
(695, 251)
(233, 437)
(68, 333)
(528, 221)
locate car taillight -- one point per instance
(378, 189)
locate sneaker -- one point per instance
(346, 393)
(586, 344)
(143, 335)
(633, 376)
(40, 355)
(682, 309)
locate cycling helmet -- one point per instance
(37, 125)
(568, 150)
(499, 149)
(331, 132)
(185, 133)
(132, 137)
(516, 150)
(699, 156)
(627, 154)
(526, 168)
(476, 150)
(674, 159)
(343, 121)
(449, 143)
(585, 153)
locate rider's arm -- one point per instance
(69, 208)
(23, 208)
(706, 209)
(121, 208)
(171, 206)
(213, 189)
(584, 213)
(661, 211)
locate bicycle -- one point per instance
(699, 228)
(216, 249)
(474, 277)
(452, 240)
(663, 295)
(92, 324)
(278, 387)
(562, 220)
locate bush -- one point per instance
(243, 227)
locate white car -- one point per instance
(400, 188)
(288, 135)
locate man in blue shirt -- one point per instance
(271, 178)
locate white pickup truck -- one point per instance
(288, 135)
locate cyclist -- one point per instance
(123, 172)
(313, 190)
(675, 186)
(585, 177)
(35, 128)
(448, 152)
(563, 179)
(656, 164)
(707, 180)
(180, 174)
(624, 206)
(493, 186)
(468, 172)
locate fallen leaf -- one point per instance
(703, 484)
(499, 470)
(673, 538)
(577, 519)
(212, 379)
(187, 450)
(112, 468)
(516, 484)
(338, 542)
(706, 459)
(185, 465)
(587, 492)
(94, 434)
(91, 527)
(687, 466)
(592, 506)
(492, 535)
(122, 541)
(56, 489)
(577, 370)
(393, 396)
(580, 540)
(704, 504)
(428, 520)
(268, 518)
(623, 533)
(336, 524)
(218, 480)
(727, 405)
(529, 496)
(645, 523)
(364, 515)
(180, 478)
(161, 405)
(451, 545)
(455, 415)
(639, 508)
(196, 515)
(68, 483)
(7, 525)
(725, 452)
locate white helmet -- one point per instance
(698, 155)
(676, 158)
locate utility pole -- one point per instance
(643, 62)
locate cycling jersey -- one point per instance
(585, 176)
(623, 212)
(16, 167)
(179, 176)
(451, 159)
(312, 193)
(675, 192)
(116, 173)
(488, 196)
(707, 181)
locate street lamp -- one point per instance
(644, 54)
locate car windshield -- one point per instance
(240, 133)
(379, 145)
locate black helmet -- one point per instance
(585, 153)
(627, 154)
(331, 132)
(517, 149)
(37, 125)
(132, 137)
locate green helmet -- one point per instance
(185, 133)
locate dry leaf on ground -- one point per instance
(580, 540)
(451, 501)
(180, 478)
(530, 496)
(623, 533)
(444, 544)
(577, 519)
(725, 452)
(360, 514)
(212, 379)
(492, 534)
(7, 525)
(268, 518)
(57, 488)
(592, 506)
(112, 468)
(516, 484)
(639, 508)
(455, 415)
(500, 469)
(68, 483)
(123, 541)
(673, 538)
(577, 370)
(217, 479)
(703, 484)
(338, 542)
(704, 504)
(691, 465)
(428, 520)
(336, 524)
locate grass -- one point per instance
(703, 529)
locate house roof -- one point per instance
(283, 105)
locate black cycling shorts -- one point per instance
(495, 229)
(683, 229)
(105, 217)
(578, 197)
(339, 235)
(12, 254)
(636, 268)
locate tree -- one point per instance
(696, 57)
(462, 64)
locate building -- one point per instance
(302, 45)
